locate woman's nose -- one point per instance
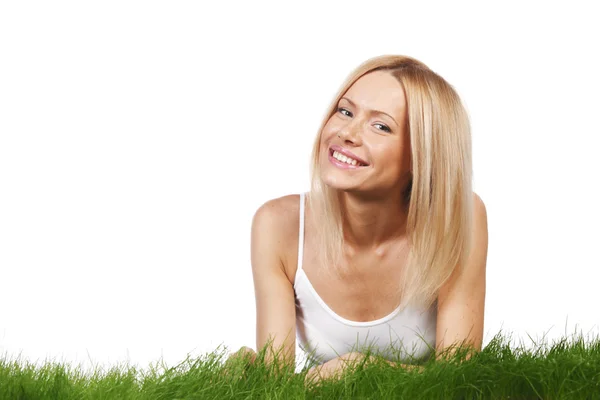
(350, 132)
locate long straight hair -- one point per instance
(439, 194)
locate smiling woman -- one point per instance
(389, 249)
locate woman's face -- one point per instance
(370, 127)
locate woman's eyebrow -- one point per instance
(371, 111)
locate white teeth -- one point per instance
(344, 158)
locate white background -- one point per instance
(137, 139)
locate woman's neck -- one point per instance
(371, 223)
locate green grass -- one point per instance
(565, 369)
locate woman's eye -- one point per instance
(345, 112)
(383, 127)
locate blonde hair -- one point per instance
(439, 195)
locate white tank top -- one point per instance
(323, 335)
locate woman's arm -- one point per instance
(275, 303)
(461, 300)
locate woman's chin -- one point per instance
(338, 178)
(337, 183)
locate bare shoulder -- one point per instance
(279, 208)
(480, 215)
(278, 220)
(280, 213)
(479, 233)
(478, 204)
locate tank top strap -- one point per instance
(301, 232)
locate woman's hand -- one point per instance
(242, 353)
(332, 368)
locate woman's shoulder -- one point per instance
(280, 216)
(280, 211)
(281, 208)
(277, 221)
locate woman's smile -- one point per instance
(345, 159)
(341, 161)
